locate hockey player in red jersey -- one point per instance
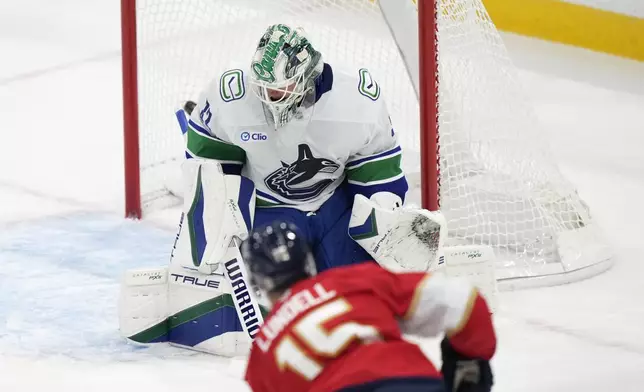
(341, 330)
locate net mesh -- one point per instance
(499, 184)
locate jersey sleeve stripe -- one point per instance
(233, 168)
(265, 195)
(473, 335)
(358, 162)
(438, 305)
(467, 312)
(413, 305)
(264, 200)
(376, 181)
(224, 163)
(202, 146)
(387, 169)
(261, 203)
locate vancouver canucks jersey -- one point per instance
(345, 136)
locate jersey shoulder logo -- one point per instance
(293, 181)
(367, 86)
(231, 85)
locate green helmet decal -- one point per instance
(281, 38)
(297, 53)
(265, 69)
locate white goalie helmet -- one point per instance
(283, 72)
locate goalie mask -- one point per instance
(283, 73)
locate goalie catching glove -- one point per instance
(398, 238)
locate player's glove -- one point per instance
(463, 374)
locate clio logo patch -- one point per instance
(253, 136)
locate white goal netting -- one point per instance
(499, 184)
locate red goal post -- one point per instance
(130, 110)
(428, 102)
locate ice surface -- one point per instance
(64, 245)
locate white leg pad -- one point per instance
(182, 307)
(203, 315)
(203, 300)
(143, 305)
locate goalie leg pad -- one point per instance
(195, 303)
(182, 307)
(143, 305)
(203, 315)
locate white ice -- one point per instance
(63, 242)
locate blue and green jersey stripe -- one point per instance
(201, 144)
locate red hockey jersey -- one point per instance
(344, 327)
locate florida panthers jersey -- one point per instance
(346, 135)
(344, 328)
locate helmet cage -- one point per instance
(282, 106)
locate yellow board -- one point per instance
(571, 24)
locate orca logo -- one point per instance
(296, 181)
(253, 136)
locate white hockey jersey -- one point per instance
(346, 135)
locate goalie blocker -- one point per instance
(203, 300)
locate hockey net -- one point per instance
(499, 185)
